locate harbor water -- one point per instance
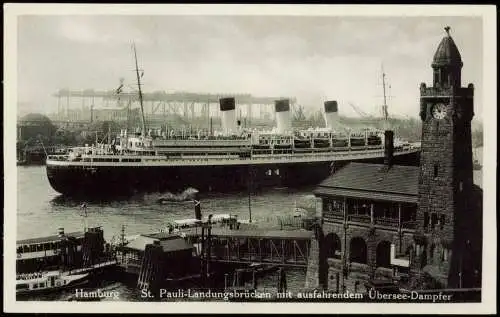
(41, 211)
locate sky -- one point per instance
(311, 58)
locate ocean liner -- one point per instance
(234, 158)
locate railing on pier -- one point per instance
(284, 247)
(359, 218)
(409, 225)
(392, 223)
(108, 263)
(284, 252)
(388, 222)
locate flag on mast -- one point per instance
(84, 207)
(197, 209)
(119, 89)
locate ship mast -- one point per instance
(143, 133)
(384, 106)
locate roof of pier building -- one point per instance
(169, 243)
(52, 238)
(373, 181)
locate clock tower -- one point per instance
(446, 179)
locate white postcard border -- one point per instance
(488, 14)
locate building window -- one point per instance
(434, 220)
(364, 208)
(461, 186)
(436, 170)
(355, 207)
(426, 219)
(337, 206)
(413, 214)
(327, 205)
(442, 220)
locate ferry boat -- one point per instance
(44, 282)
(83, 251)
(160, 160)
(50, 252)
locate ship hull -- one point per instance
(116, 180)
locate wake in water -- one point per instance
(187, 195)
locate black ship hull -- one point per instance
(115, 180)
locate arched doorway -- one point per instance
(357, 250)
(384, 254)
(333, 246)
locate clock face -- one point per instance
(439, 111)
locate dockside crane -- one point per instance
(358, 111)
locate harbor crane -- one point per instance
(358, 111)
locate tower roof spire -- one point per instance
(447, 53)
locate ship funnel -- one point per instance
(60, 232)
(331, 113)
(283, 122)
(227, 107)
(388, 148)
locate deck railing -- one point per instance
(317, 156)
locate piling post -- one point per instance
(209, 246)
(254, 280)
(122, 243)
(202, 256)
(282, 280)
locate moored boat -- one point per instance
(43, 282)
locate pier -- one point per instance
(247, 246)
(210, 251)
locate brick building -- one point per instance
(420, 227)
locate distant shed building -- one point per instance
(33, 125)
